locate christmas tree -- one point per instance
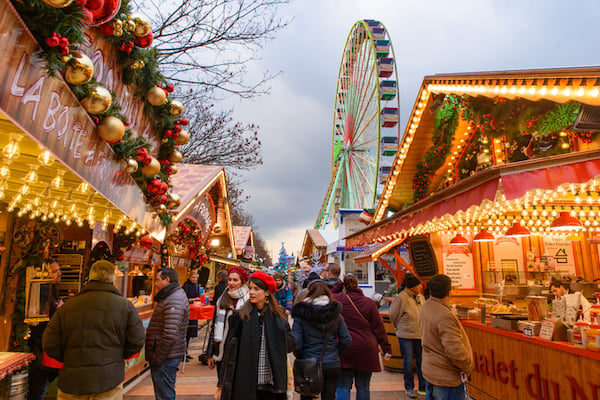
(283, 263)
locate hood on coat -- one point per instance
(318, 314)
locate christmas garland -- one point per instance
(59, 29)
(527, 128)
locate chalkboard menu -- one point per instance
(422, 256)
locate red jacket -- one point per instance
(363, 353)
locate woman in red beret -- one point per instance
(251, 369)
(232, 299)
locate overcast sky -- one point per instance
(428, 37)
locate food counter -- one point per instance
(134, 366)
(509, 365)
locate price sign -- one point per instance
(547, 329)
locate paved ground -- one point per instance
(198, 382)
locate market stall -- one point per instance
(496, 184)
(88, 134)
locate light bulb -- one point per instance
(24, 189)
(5, 168)
(12, 150)
(58, 181)
(83, 187)
(32, 175)
(46, 158)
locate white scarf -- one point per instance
(318, 301)
(221, 323)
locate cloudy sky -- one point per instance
(428, 37)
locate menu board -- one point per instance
(422, 256)
(458, 264)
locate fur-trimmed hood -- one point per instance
(317, 314)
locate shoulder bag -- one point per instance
(308, 373)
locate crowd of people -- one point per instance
(258, 320)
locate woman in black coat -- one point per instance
(316, 315)
(254, 365)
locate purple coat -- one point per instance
(363, 353)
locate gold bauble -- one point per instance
(176, 108)
(111, 129)
(131, 166)
(80, 70)
(174, 169)
(161, 209)
(98, 101)
(142, 24)
(173, 201)
(151, 168)
(129, 25)
(183, 138)
(156, 96)
(175, 156)
(57, 3)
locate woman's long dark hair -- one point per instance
(316, 289)
(271, 303)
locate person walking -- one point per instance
(254, 365)
(190, 286)
(365, 325)
(91, 334)
(318, 321)
(331, 276)
(404, 315)
(232, 299)
(41, 375)
(447, 353)
(220, 287)
(284, 294)
(165, 336)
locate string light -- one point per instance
(58, 181)
(46, 158)
(12, 150)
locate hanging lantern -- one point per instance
(152, 168)
(156, 96)
(111, 129)
(80, 69)
(57, 3)
(142, 24)
(98, 101)
(175, 156)
(176, 108)
(182, 138)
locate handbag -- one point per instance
(308, 373)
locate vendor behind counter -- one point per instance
(567, 305)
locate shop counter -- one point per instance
(134, 366)
(509, 365)
(12, 362)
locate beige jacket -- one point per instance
(446, 347)
(404, 314)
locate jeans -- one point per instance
(331, 378)
(39, 378)
(361, 379)
(434, 392)
(411, 348)
(163, 378)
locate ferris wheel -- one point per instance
(365, 122)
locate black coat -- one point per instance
(192, 292)
(92, 333)
(310, 324)
(238, 375)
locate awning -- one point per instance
(506, 181)
(225, 260)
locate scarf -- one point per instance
(317, 301)
(221, 324)
(166, 291)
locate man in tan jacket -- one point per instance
(447, 353)
(404, 315)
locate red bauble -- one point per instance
(164, 161)
(94, 5)
(106, 29)
(163, 188)
(87, 16)
(170, 88)
(107, 12)
(147, 160)
(63, 50)
(144, 41)
(163, 199)
(153, 185)
(63, 42)
(168, 133)
(184, 121)
(142, 153)
(52, 41)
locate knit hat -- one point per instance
(240, 271)
(267, 279)
(410, 281)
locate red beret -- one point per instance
(267, 279)
(240, 271)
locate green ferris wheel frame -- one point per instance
(357, 123)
